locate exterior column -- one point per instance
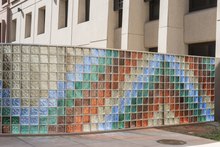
(171, 26)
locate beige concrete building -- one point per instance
(166, 26)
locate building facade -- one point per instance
(167, 26)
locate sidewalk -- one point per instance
(137, 138)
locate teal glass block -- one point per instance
(195, 112)
(60, 103)
(108, 61)
(15, 129)
(146, 85)
(186, 93)
(161, 65)
(167, 65)
(172, 72)
(177, 79)
(43, 120)
(140, 93)
(86, 77)
(70, 94)
(52, 111)
(78, 85)
(94, 68)
(78, 94)
(101, 69)
(6, 111)
(145, 93)
(167, 72)
(208, 67)
(115, 54)
(190, 100)
(127, 109)
(52, 120)
(182, 93)
(151, 79)
(33, 129)
(60, 111)
(6, 120)
(121, 125)
(212, 67)
(94, 77)
(101, 61)
(86, 85)
(115, 126)
(172, 79)
(43, 129)
(161, 71)
(69, 103)
(127, 117)
(151, 86)
(134, 109)
(196, 106)
(109, 53)
(212, 73)
(157, 71)
(139, 101)
(15, 120)
(121, 117)
(133, 101)
(24, 129)
(157, 79)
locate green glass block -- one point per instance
(60, 103)
(146, 85)
(166, 72)
(167, 65)
(69, 103)
(60, 111)
(43, 130)
(127, 109)
(101, 69)
(115, 126)
(133, 109)
(212, 67)
(109, 61)
(172, 79)
(196, 106)
(6, 111)
(127, 117)
(101, 61)
(157, 71)
(182, 93)
(121, 117)
(140, 93)
(52, 120)
(195, 112)
(157, 79)
(94, 77)
(200, 112)
(151, 86)
(177, 79)
(5, 120)
(161, 65)
(43, 120)
(212, 73)
(208, 67)
(70, 94)
(161, 71)
(78, 85)
(86, 85)
(145, 93)
(186, 93)
(186, 100)
(15, 120)
(33, 129)
(52, 111)
(78, 94)
(15, 129)
(115, 54)
(24, 129)
(140, 101)
(108, 53)
(151, 79)
(191, 106)
(121, 125)
(133, 101)
(190, 100)
(86, 77)
(172, 72)
(94, 68)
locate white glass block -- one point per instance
(35, 93)
(34, 58)
(79, 52)
(53, 76)
(94, 127)
(60, 76)
(34, 85)
(44, 85)
(61, 68)
(35, 50)
(35, 68)
(115, 94)
(61, 50)
(25, 102)
(44, 76)
(25, 76)
(16, 49)
(53, 85)
(16, 93)
(16, 76)
(100, 110)
(35, 76)
(70, 59)
(176, 121)
(25, 67)
(70, 51)
(43, 58)
(44, 50)
(86, 127)
(107, 110)
(43, 67)
(16, 84)
(101, 119)
(25, 84)
(79, 60)
(16, 66)
(34, 102)
(61, 59)
(107, 102)
(53, 67)
(25, 93)
(7, 49)
(16, 58)
(25, 58)
(86, 52)
(44, 93)
(53, 50)
(53, 59)
(94, 119)
(70, 68)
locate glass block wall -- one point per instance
(48, 89)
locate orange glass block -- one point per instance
(151, 115)
(61, 129)
(186, 59)
(93, 93)
(191, 66)
(77, 128)
(121, 69)
(151, 108)
(115, 85)
(78, 119)
(177, 106)
(108, 85)
(145, 115)
(93, 102)
(166, 100)
(115, 77)
(167, 93)
(144, 123)
(121, 78)
(127, 70)
(140, 56)
(69, 111)
(134, 62)
(177, 113)
(69, 120)
(108, 93)
(86, 102)
(86, 119)
(101, 101)
(101, 93)
(6, 129)
(86, 93)
(94, 110)
(78, 111)
(172, 107)
(128, 62)
(70, 128)
(161, 100)
(94, 85)
(86, 110)
(101, 77)
(133, 55)
(78, 102)
(196, 73)
(127, 124)
(172, 100)
(61, 120)
(139, 123)
(52, 129)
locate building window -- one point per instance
(13, 30)
(41, 20)
(63, 14)
(195, 5)
(28, 25)
(4, 2)
(118, 6)
(3, 31)
(154, 49)
(154, 9)
(84, 11)
(0, 32)
(202, 49)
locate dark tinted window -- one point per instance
(154, 49)
(154, 9)
(202, 49)
(195, 5)
(118, 6)
(87, 10)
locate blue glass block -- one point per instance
(140, 86)
(212, 118)
(151, 71)
(212, 61)
(186, 86)
(61, 94)
(128, 94)
(108, 126)
(115, 109)
(177, 71)
(52, 103)
(208, 118)
(6, 93)
(102, 53)
(134, 86)
(128, 101)
(24, 111)
(134, 93)
(79, 68)
(172, 58)
(203, 112)
(182, 72)
(140, 78)
(87, 69)
(200, 99)
(182, 79)
(79, 77)
(146, 78)
(61, 85)
(146, 71)
(157, 64)
(70, 77)
(208, 112)
(200, 106)
(101, 127)
(191, 86)
(15, 111)
(122, 105)
(43, 111)
(186, 79)
(94, 60)
(24, 120)
(6, 102)
(196, 100)
(34, 111)
(0, 93)
(152, 64)
(53, 94)
(87, 60)
(204, 105)
(43, 103)
(70, 86)
(95, 52)
(34, 121)
(0, 84)
(177, 66)
(196, 93)
(172, 65)
(115, 118)
(108, 118)
(157, 57)
(15, 102)
(167, 58)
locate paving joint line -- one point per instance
(25, 141)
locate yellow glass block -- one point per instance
(34, 102)
(44, 93)
(53, 85)
(35, 93)
(53, 76)
(25, 102)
